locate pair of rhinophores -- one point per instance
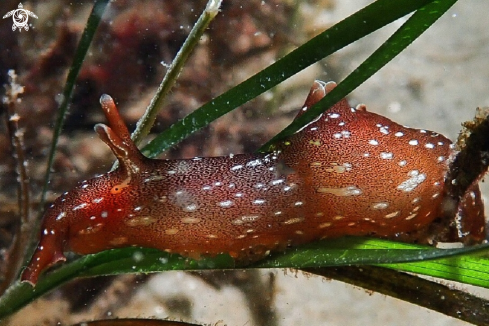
(350, 172)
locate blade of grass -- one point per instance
(146, 122)
(338, 252)
(358, 25)
(463, 265)
(416, 25)
(80, 53)
(132, 259)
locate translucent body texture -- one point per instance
(350, 172)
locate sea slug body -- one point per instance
(349, 172)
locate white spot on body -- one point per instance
(399, 134)
(97, 200)
(91, 229)
(293, 221)
(341, 192)
(373, 142)
(392, 215)
(415, 179)
(82, 205)
(276, 182)
(252, 164)
(60, 216)
(249, 218)
(324, 225)
(410, 217)
(402, 163)
(226, 203)
(334, 115)
(429, 145)
(259, 201)
(259, 185)
(413, 142)
(237, 221)
(416, 200)
(236, 167)
(386, 155)
(190, 208)
(380, 205)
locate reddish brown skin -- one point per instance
(350, 172)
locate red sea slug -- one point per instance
(349, 172)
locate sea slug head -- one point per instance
(75, 218)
